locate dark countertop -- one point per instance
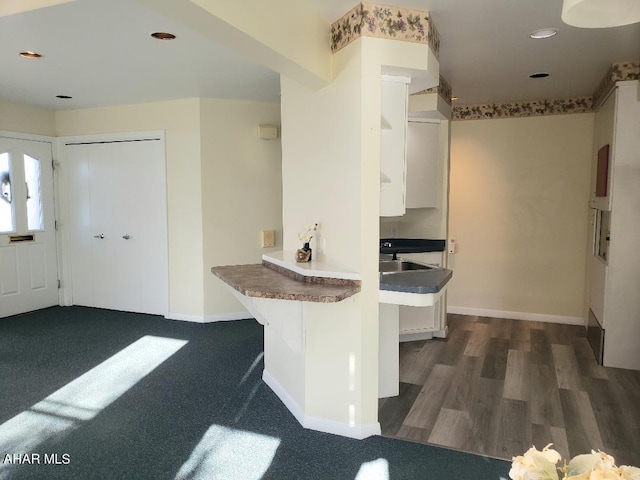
(411, 245)
(416, 281)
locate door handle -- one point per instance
(126, 236)
(101, 236)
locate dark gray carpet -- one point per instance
(151, 430)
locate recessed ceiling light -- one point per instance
(539, 75)
(163, 36)
(29, 54)
(543, 33)
(65, 97)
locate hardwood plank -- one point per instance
(454, 347)
(461, 390)
(560, 442)
(545, 405)
(425, 409)
(485, 417)
(540, 347)
(417, 359)
(514, 434)
(520, 330)
(478, 340)
(616, 434)
(568, 372)
(587, 361)
(495, 361)
(501, 328)
(451, 429)
(580, 422)
(415, 434)
(517, 380)
(392, 412)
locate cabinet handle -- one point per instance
(101, 236)
(126, 236)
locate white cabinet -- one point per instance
(393, 140)
(418, 323)
(422, 164)
(615, 257)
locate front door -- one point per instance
(28, 263)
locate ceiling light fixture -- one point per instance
(600, 13)
(543, 33)
(163, 36)
(539, 75)
(29, 54)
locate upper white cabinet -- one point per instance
(422, 165)
(393, 141)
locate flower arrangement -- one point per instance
(308, 233)
(543, 465)
(304, 254)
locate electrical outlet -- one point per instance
(267, 238)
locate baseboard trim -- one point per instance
(315, 423)
(536, 317)
(222, 317)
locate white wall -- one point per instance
(518, 209)
(241, 192)
(181, 122)
(15, 117)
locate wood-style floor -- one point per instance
(495, 387)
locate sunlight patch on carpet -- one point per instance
(83, 398)
(374, 470)
(230, 454)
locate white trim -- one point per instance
(535, 317)
(227, 317)
(319, 424)
(27, 136)
(221, 317)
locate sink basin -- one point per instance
(393, 266)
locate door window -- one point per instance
(6, 204)
(34, 197)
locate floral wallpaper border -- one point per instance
(443, 89)
(382, 21)
(618, 71)
(529, 108)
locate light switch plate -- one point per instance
(267, 238)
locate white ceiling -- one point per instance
(100, 52)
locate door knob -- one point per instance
(99, 236)
(126, 236)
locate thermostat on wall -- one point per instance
(267, 132)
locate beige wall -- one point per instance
(15, 117)
(181, 122)
(518, 209)
(241, 191)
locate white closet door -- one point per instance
(118, 226)
(28, 263)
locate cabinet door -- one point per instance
(422, 165)
(393, 147)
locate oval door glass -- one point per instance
(6, 206)
(34, 197)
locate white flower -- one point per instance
(629, 473)
(308, 234)
(536, 465)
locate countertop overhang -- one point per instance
(267, 280)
